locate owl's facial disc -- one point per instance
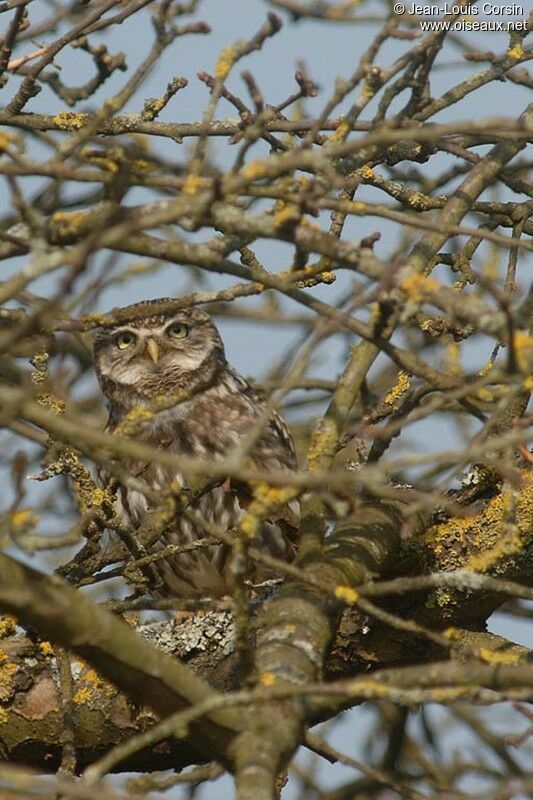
(154, 356)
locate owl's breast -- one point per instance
(132, 504)
(173, 431)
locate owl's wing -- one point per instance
(283, 435)
(275, 448)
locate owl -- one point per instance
(168, 372)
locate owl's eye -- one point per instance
(177, 330)
(125, 339)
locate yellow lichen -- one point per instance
(254, 171)
(93, 688)
(3, 716)
(8, 625)
(109, 165)
(87, 494)
(250, 525)
(368, 90)
(516, 51)
(266, 500)
(131, 618)
(91, 676)
(67, 224)
(343, 7)
(94, 320)
(368, 686)
(114, 158)
(347, 594)
(367, 173)
(402, 384)
(523, 348)
(340, 133)
(225, 63)
(485, 541)
(510, 544)
(194, 184)
(46, 649)
(6, 139)
(23, 518)
(52, 403)
(417, 200)
(274, 495)
(130, 424)
(8, 671)
(142, 165)
(99, 497)
(375, 313)
(286, 215)
(290, 627)
(328, 277)
(447, 694)
(489, 366)
(485, 395)
(267, 678)
(323, 443)
(452, 358)
(153, 107)
(81, 696)
(452, 633)
(498, 656)
(419, 287)
(334, 12)
(164, 401)
(69, 121)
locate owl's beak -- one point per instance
(153, 350)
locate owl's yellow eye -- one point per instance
(177, 330)
(125, 339)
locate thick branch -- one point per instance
(148, 676)
(295, 631)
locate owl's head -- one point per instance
(147, 357)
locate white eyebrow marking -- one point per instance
(128, 374)
(141, 332)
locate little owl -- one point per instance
(168, 385)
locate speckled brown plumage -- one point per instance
(174, 366)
